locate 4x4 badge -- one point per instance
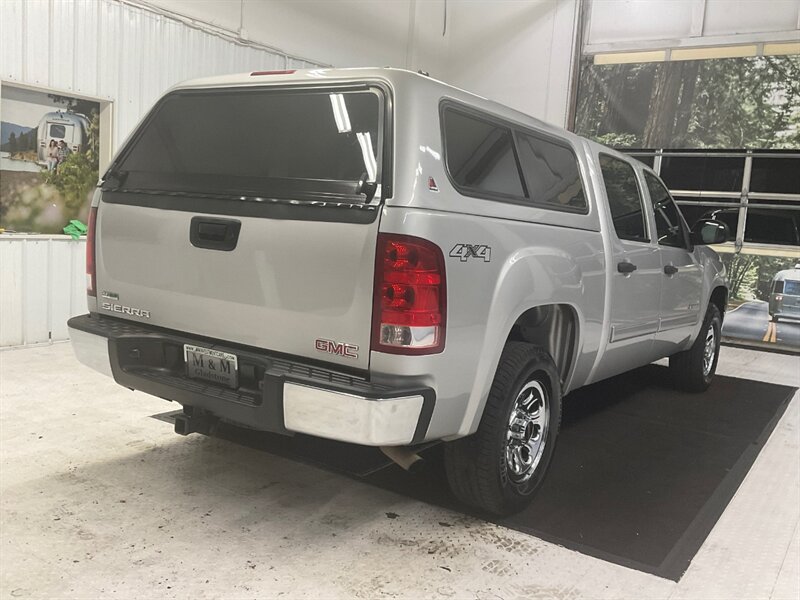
(465, 251)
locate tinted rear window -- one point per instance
(257, 142)
(480, 155)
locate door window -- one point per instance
(624, 199)
(669, 223)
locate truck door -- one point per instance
(635, 273)
(682, 279)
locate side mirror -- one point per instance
(708, 231)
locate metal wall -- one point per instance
(42, 284)
(114, 51)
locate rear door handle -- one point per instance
(626, 267)
(214, 234)
(670, 269)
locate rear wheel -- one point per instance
(499, 467)
(693, 369)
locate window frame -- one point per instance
(449, 104)
(645, 209)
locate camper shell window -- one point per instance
(289, 143)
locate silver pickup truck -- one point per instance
(372, 256)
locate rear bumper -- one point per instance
(275, 393)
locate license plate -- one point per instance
(211, 365)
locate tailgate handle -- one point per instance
(214, 234)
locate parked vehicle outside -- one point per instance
(372, 256)
(784, 296)
(56, 126)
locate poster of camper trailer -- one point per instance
(48, 159)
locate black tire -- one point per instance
(688, 368)
(477, 466)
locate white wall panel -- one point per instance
(723, 17)
(517, 53)
(642, 24)
(42, 284)
(113, 51)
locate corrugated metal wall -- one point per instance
(108, 50)
(118, 52)
(42, 284)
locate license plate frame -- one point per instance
(212, 366)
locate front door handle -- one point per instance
(670, 269)
(626, 267)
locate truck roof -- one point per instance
(396, 78)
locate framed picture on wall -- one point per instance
(50, 157)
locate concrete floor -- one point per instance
(98, 499)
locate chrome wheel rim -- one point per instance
(527, 432)
(710, 350)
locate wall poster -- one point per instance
(49, 159)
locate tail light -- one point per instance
(410, 303)
(91, 270)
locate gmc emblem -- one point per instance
(337, 348)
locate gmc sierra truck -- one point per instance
(372, 256)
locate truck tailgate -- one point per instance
(286, 284)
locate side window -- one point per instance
(551, 172)
(624, 199)
(669, 224)
(480, 155)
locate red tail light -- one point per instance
(91, 271)
(410, 303)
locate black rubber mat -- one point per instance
(641, 474)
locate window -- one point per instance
(775, 175)
(714, 173)
(551, 172)
(669, 223)
(57, 131)
(791, 287)
(624, 199)
(480, 155)
(259, 142)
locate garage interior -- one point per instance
(654, 493)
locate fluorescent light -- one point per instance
(365, 141)
(340, 113)
(780, 49)
(713, 52)
(619, 58)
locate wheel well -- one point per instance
(720, 298)
(552, 327)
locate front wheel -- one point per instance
(501, 465)
(693, 369)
